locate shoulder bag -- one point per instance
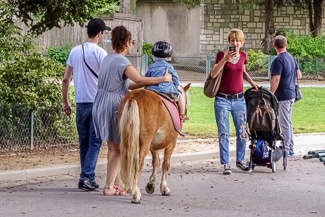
(211, 85)
(262, 118)
(297, 91)
(90, 69)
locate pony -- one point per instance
(146, 125)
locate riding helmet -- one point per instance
(162, 49)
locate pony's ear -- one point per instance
(187, 87)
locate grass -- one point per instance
(308, 114)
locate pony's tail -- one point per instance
(129, 127)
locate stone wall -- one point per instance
(219, 17)
(203, 30)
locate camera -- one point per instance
(232, 48)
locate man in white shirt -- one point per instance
(83, 63)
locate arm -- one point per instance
(299, 75)
(138, 81)
(217, 68)
(249, 79)
(65, 89)
(274, 83)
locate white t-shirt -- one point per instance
(85, 82)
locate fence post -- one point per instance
(207, 65)
(270, 58)
(144, 64)
(32, 131)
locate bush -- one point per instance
(28, 79)
(309, 51)
(59, 54)
(257, 61)
(146, 50)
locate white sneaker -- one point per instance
(226, 170)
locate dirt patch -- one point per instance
(70, 154)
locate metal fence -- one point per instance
(22, 129)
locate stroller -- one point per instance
(263, 148)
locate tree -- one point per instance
(269, 32)
(43, 15)
(315, 13)
(267, 42)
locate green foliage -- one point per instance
(308, 50)
(146, 50)
(257, 61)
(59, 54)
(190, 4)
(28, 78)
(41, 16)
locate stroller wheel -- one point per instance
(273, 167)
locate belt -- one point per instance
(229, 96)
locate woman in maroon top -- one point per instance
(230, 98)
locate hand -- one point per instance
(67, 110)
(299, 75)
(254, 85)
(168, 77)
(229, 55)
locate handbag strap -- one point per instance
(297, 71)
(92, 71)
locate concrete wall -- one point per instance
(173, 23)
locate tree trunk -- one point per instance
(318, 11)
(269, 26)
(310, 16)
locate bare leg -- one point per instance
(181, 108)
(113, 168)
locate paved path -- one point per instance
(198, 189)
(197, 184)
(303, 143)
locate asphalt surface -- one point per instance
(197, 184)
(198, 189)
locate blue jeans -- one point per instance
(88, 142)
(237, 108)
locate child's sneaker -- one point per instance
(226, 170)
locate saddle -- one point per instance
(172, 107)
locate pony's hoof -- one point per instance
(136, 200)
(166, 194)
(150, 188)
